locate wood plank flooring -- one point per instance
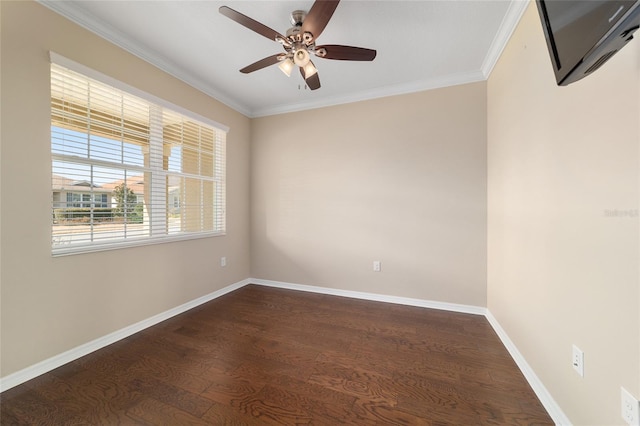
(263, 356)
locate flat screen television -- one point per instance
(583, 35)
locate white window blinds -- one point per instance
(126, 170)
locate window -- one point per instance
(76, 199)
(127, 168)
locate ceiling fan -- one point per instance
(300, 42)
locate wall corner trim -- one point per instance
(56, 361)
(540, 390)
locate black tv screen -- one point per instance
(583, 35)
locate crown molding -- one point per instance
(110, 34)
(381, 92)
(87, 21)
(507, 27)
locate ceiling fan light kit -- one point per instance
(286, 65)
(301, 57)
(309, 70)
(299, 43)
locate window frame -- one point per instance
(153, 237)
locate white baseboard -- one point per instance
(56, 361)
(467, 309)
(547, 401)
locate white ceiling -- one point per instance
(420, 44)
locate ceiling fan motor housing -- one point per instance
(297, 17)
(295, 33)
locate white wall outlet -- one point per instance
(577, 360)
(377, 266)
(223, 261)
(630, 408)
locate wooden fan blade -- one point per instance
(262, 63)
(313, 82)
(318, 17)
(347, 53)
(250, 23)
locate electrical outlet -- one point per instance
(577, 360)
(223, 261)
(377, 267)
(630, 408)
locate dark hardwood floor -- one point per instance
(261, 356)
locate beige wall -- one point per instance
(401, 180)
(50, 305)
(561, 270)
